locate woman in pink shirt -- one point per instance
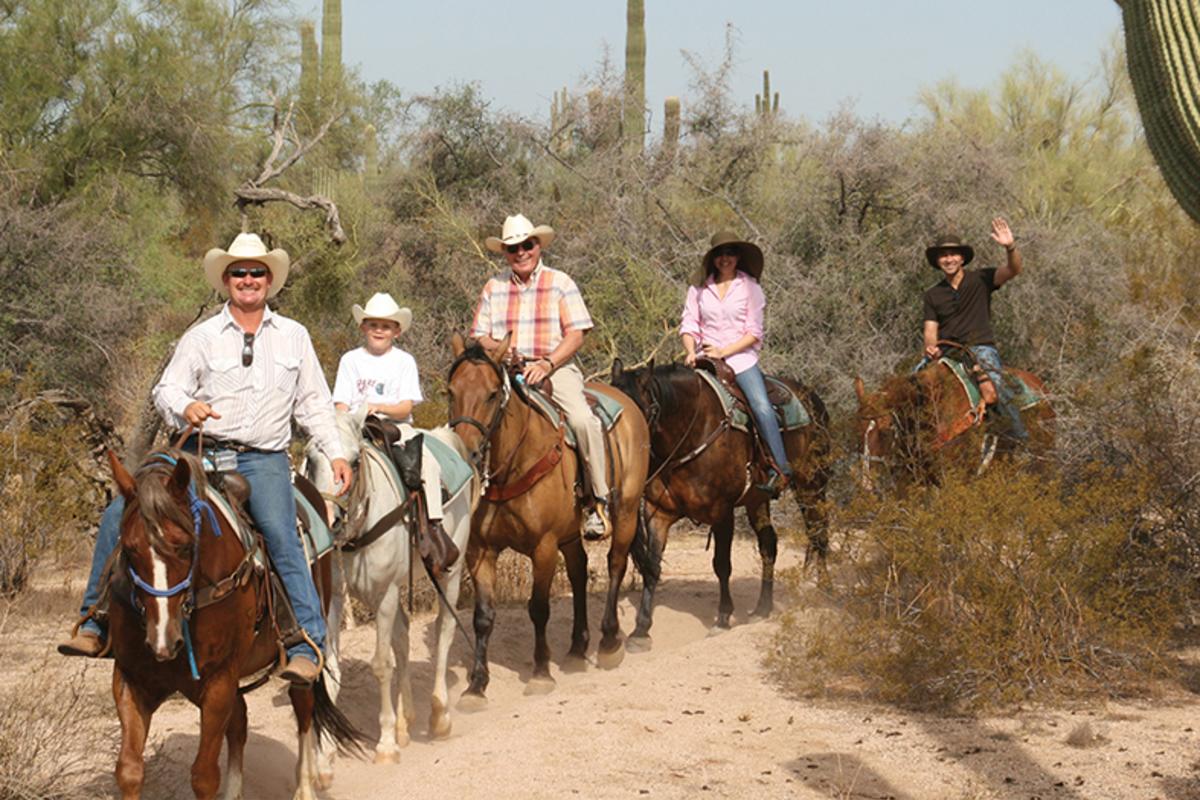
(723, 317)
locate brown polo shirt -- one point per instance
(964, 315)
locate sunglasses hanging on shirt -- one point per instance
(247, 349)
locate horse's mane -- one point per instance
(154, 501)
(663, 381)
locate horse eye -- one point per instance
(493, 396)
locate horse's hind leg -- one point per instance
(218, 701)
(575, 557)
(235, 740)
(134, 709)
(303, 705)
(723, 567)
(649, 543)
(339, 603)
(482, 562)
(811, 500)
(383, 665)
(768, 547)
(407, 712)
(439, 702)
(545, 560)
(612, 650)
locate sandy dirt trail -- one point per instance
(697, 716)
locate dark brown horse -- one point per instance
(530, 506)
(189, 615)
(701, 468)
(920, 425)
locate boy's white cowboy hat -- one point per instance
(247, 247)
(516, 230)
(382, 306)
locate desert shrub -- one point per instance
(982, 592)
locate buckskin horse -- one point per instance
(530, 506)
(375, 564)
(190, 614)
(700, 467)
(921, 424)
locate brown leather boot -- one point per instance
(84, 643)
(301, 670)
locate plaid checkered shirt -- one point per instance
(537, 313)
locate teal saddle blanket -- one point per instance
(455, 469)
(316, 538)
(605, 408)
(1024, 395)
(791, 414)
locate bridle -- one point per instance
(479, 455)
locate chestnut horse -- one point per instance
(530, 506)
(189, 615)
(921, 424)
(700, 467)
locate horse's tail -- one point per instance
(331, 724)
(647, 556)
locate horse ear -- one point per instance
(617, 369)
(125, 482)
(499, 353)
(650, 365)
(457, 344)
(181, 477)
(860, 389)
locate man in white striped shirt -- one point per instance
(243, 375)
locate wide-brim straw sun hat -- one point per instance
(948, 243)
(750, 257)
(247, 247)
(517, 229)
(382, 306)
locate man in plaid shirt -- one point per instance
(545, 313)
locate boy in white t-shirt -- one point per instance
(384, 377)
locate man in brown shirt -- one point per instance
(959, 309)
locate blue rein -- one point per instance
(196, 505)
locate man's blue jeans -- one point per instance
(273, 508)
(755, 388)
(989, 359)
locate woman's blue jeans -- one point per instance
(273, 509)
(755, 388)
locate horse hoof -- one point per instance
(574, 663)
(469, 703)
(324, 780)
(387, 757)
(539, 685)
(612, 659)
(639, 644)
(402, 738)
(439, 726)
(718, 629)
(761, 612)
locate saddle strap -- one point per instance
(499, 493)
(381, 526)
(225, 587)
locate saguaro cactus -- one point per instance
(562, 122)
(309, 78)
(762, 102)
(1162, 43)
(670, 126)
(635, 73)
(331, 52)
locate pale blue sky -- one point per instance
(876, 54)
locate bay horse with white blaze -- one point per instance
(530, 505)
(700, 468)
(189, 614)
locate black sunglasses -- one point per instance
(247, 349)
(241, 272)
(528, 244)
(729, 250)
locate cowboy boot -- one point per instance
(448, 550)
(598, 525)
(84, 643)
(407, 456)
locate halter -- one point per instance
(479, 455)
(196, 505)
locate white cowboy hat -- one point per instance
(382, 306)
(246, 247)
(516, 230)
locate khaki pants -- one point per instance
(567, 381)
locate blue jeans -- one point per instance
(273, 509)
(755, 388)
(989, 359)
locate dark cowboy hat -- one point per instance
(948, 243)
(750, 258)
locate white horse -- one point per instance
(376, 575)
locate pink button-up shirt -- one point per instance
(711, 320)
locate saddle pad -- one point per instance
(1023, 395)
(791, 415)
(310, 525)
(603, 407)
(217, 500)
(455, 469)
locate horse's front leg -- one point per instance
(723, 567)
(439, 702)
(338, 605)
(768, 548)
(235, 751)
(383, 665)
(648, 556)
(134, 709)
(545, 560)
(612, 650)
(304, 705)
(218, 699)
(482, 562)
